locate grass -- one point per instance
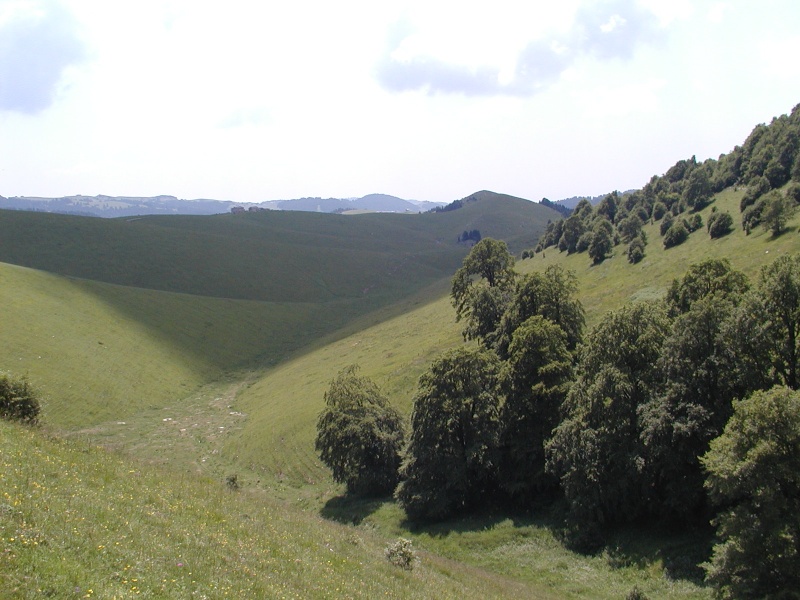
(202, 386)
(613, 282)
(101, 352)
(78, 522)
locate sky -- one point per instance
(253, 100)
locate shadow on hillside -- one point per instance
(351, 510)
(680, 553)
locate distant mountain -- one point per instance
(117, 206)
(129, 206)
(370, 202)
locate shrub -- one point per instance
(18, 402)
(636, 250)
(666, 223)
(636, 594)
(720, 224)
(402, 554)
(675, 235)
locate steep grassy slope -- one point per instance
(101, 352)
(282, 406)
(606, 286)
(194, 298)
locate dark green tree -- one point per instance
(493, 265)
(702, 378)
(359, 435)
(712, 276)
(778, 209)
(697, 191)
(719, 224)
(779, 291)
(629, 228)
(666, 223)
(574, 228)
(636, 249)
(552, 295)
(608, 207)
(596, 451)
(535, 380)
(754, 475)
(602, 243)
(452, 456)
(676, 234)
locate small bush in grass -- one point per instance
(232, 481)
(18, 402)
(636, 594)
(402, 554)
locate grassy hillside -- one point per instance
(101, 352)
(213, 386)
(606, 286)
(149, 310)
(269, 256)
(78, 522)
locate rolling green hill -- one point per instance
(205, 345)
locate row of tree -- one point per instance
(767, 165)
(628, 423)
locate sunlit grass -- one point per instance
(78, 522)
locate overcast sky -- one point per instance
(251, 101)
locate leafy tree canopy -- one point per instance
(359, 435)
(452, 456)
(754, 473)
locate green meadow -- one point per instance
(173, 352)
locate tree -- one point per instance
(719, 224)
(574, 228)
(702, 377)
(596, 450)
(359, 435)
(754, 474)
(636, 249)
(778, 209)
(452, 455)
(551, 294)
(779, 290)
(535, 380)
(712, 276)
(601, 246)
(676, 234)
(491, 261)
(629, 228)
(666, 223)
(18, 401)
(697, 191)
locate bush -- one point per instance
(675, 235)
(402, 554)
(720, 224)
(18, 402)
(636, 250)
(666, 223)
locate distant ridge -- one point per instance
(130, 206)
(370, 202)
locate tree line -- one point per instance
(665, 411)
(767, 166)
